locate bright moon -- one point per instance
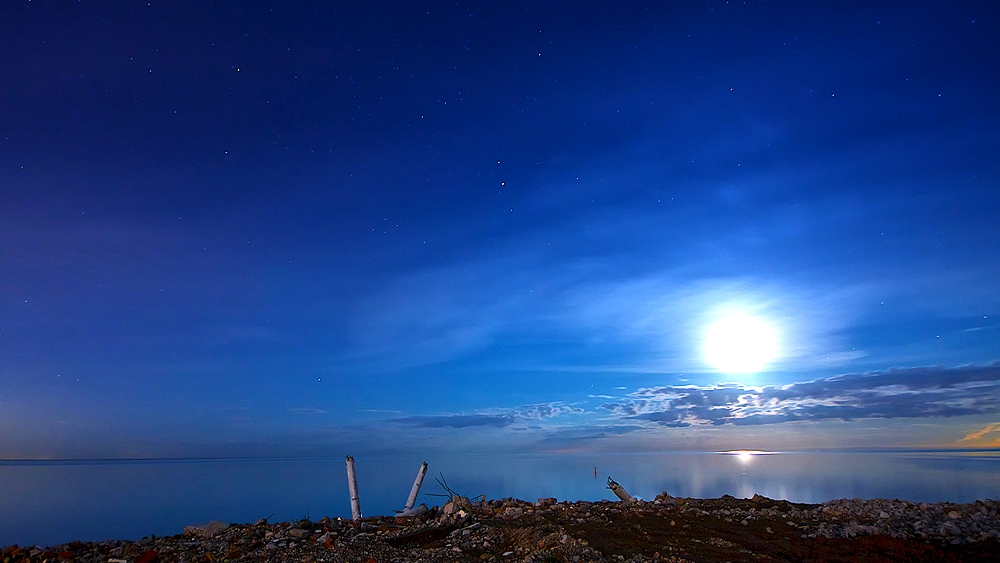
(740, 344)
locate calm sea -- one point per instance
(46, 503)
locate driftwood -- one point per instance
(352, 485)
(619, 490)
(412, 499)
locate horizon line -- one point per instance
(328, 457)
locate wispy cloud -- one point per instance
(546, 410)
(898, 393)
(977, 435)
(584, 309)
(979, 328)
(458, 420)
(307, 410)
(500, 419)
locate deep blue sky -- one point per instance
(248, 228)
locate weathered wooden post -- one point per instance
(412, 499)
(619, 490)
(352, 484)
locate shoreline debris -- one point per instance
(412, 499)
(666, 529)
(619, 490)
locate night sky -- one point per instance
(312, 228)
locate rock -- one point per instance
(147, 557)
(298, 533)
(513, 512)
(415, 511)
(457, 503)
(324, 539)
(206, 530)
(544, 502)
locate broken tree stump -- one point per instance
(352, 485)
(619, 490)
(412, 499)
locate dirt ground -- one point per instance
(705, 539)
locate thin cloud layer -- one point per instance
(490, 419)
(897, 393)
(459, 420)
(986, 434)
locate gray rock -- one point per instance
(415, 511)
(206, 530)
(457, 503)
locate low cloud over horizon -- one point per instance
(950, 407)
(864, 399)
(896, 393)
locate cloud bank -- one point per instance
(897, 393)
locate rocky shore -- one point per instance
(665, 529)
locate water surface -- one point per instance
(46, 503)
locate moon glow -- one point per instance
(740, 344)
